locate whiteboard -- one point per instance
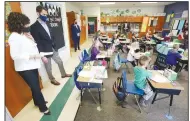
(175, 25)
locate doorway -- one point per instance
(92, 25)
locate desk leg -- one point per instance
(181, 67)
(81, 96)
(154, 97)
(99, 92)
(168, 115)
(171, 100)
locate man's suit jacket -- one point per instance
(75, 30)
(43, 40)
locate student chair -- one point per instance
(85, 57)
(130, 88)
(160, 63)
(83, 85)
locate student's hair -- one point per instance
(17, 21)
(143, 60)
(176, 46)
(40, 8)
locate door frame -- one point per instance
(87, 23)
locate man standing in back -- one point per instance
(75, 30)
(45, 42)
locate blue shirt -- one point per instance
(172, 57)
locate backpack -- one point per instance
(116, 62)
(117, 89)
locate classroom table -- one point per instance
(92, 76)
(183, 61)
(106, 43)
(125, 42)
(168, 88)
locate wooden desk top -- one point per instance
(124, 42)
(156, 85)
(106, 42)
(167, 85)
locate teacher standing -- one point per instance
(75, 30)
(24, 52)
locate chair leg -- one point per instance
(138, 103)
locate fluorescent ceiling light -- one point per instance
(107, 3)
(149, 2)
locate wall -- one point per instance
(143, 10)
(29, 9)
(72, 7)
(92, 12)
(177, 8)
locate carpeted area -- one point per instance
(112, 112)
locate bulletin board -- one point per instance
(55, 22)
(176, 25)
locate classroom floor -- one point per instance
(112, 112)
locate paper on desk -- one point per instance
(159, 78)
(86, 73)
(46, 53)
(93, 80)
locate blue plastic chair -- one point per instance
(122, 60)
(130, 88)
(84, 85)
(85, 57)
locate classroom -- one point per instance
(96, 61)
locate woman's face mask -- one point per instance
(26, 29)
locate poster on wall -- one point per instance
(168, 18)
(185, 14)
(175, 25)
(55, 22)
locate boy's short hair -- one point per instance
(176, 46)
(39, 8)
(143, 60)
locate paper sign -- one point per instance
(168, 18)
(185, 14)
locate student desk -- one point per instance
(125, 42)
(106, 43)
(165, 88)
(183, 61)
(88, 77)
(104, 55)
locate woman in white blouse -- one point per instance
(25, 54)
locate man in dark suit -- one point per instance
(44, 38)
(75, 29)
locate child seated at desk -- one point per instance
(148, 36)
(133, 49)
(172, 56)
(116, 43)
(141, 75)
(157, 38)
(94, 50)
(134, 37)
